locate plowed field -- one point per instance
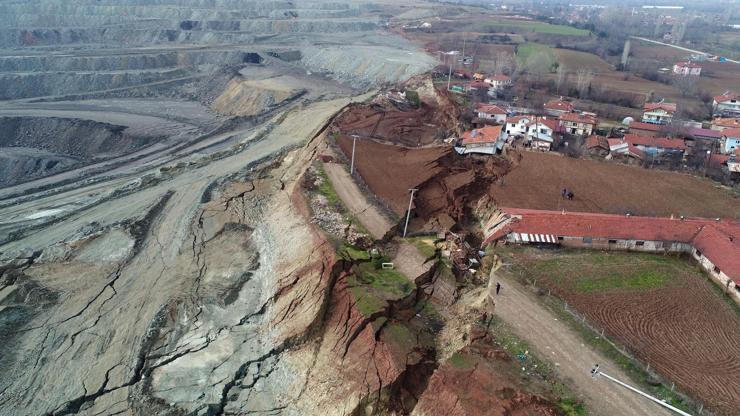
(610, 188)
(663, 309)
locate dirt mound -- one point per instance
(396, 119)
(474, 381)
(449, 185)
(610, 188)
(251, 97)
(83, 139)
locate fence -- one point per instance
(600, 332)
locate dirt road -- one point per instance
(555, 341)
(356, 202)
(679, 47)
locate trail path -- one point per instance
(555, 341)
(356, 202)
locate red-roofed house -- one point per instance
(715, 244)
(645, 129)
(483, 140)
(540, 132)
(558, 107)
(490, 112)
(618, 146)
(499, 81)
(597, 145)
(726, 104)
(578, 124)
(687, 68)
(656, 144)
(658, 113)
(478, 86)
(730, 140)
(720, 123)
(517, 125)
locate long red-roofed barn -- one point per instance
(715, 244)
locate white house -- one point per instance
(726, 104)
(540, 133)
(658, 113)
(490, 112)
(618, 146)
(485, 140)
(730, 140)
(517, 125)
(686, 68)
(499, 81)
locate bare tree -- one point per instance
(504, 63)
(583, 80)
(538, 64)
(686, 84)
(560, 76)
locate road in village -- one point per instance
(557, 343)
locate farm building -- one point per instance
(715, 244)
(645, 129)
(726, 104)
(704, 134)
(730, 140)
(687, 68)
(653, 145)
(577, 124)
(490, 112)
(597, 145)
(558, 107)
(658, 113)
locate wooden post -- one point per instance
(673, 385)
(701, 408)
(602, 333)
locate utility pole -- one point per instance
(449, 78)
(596, 372)
(408, 213)
(352, 164)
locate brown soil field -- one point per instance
(535, 182)
(662, 309)
(448, 185)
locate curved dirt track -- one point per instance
(557, 343)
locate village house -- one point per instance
(686, 68)
(517, 125)
(704, 134)
(618, 146)
(721, 123)
(578, 124)
(658, 113)
(597, 145)
(491, 113)
(499, 81)
(486, 140)
(558, 107)
(478, 86)
(540, 133)
(730, 140)
(656, 145)
(715, 244)
(726, 104)
(645, 129)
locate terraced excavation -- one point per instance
(154, 258)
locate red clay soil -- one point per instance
(475, 382)
(448, 184)
(537, 180)
(685, 332)
(405, 125)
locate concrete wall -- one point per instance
(731, 288)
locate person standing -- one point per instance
(498, 287)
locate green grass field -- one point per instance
(372, 288)
(503, 25)
(590, 271)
